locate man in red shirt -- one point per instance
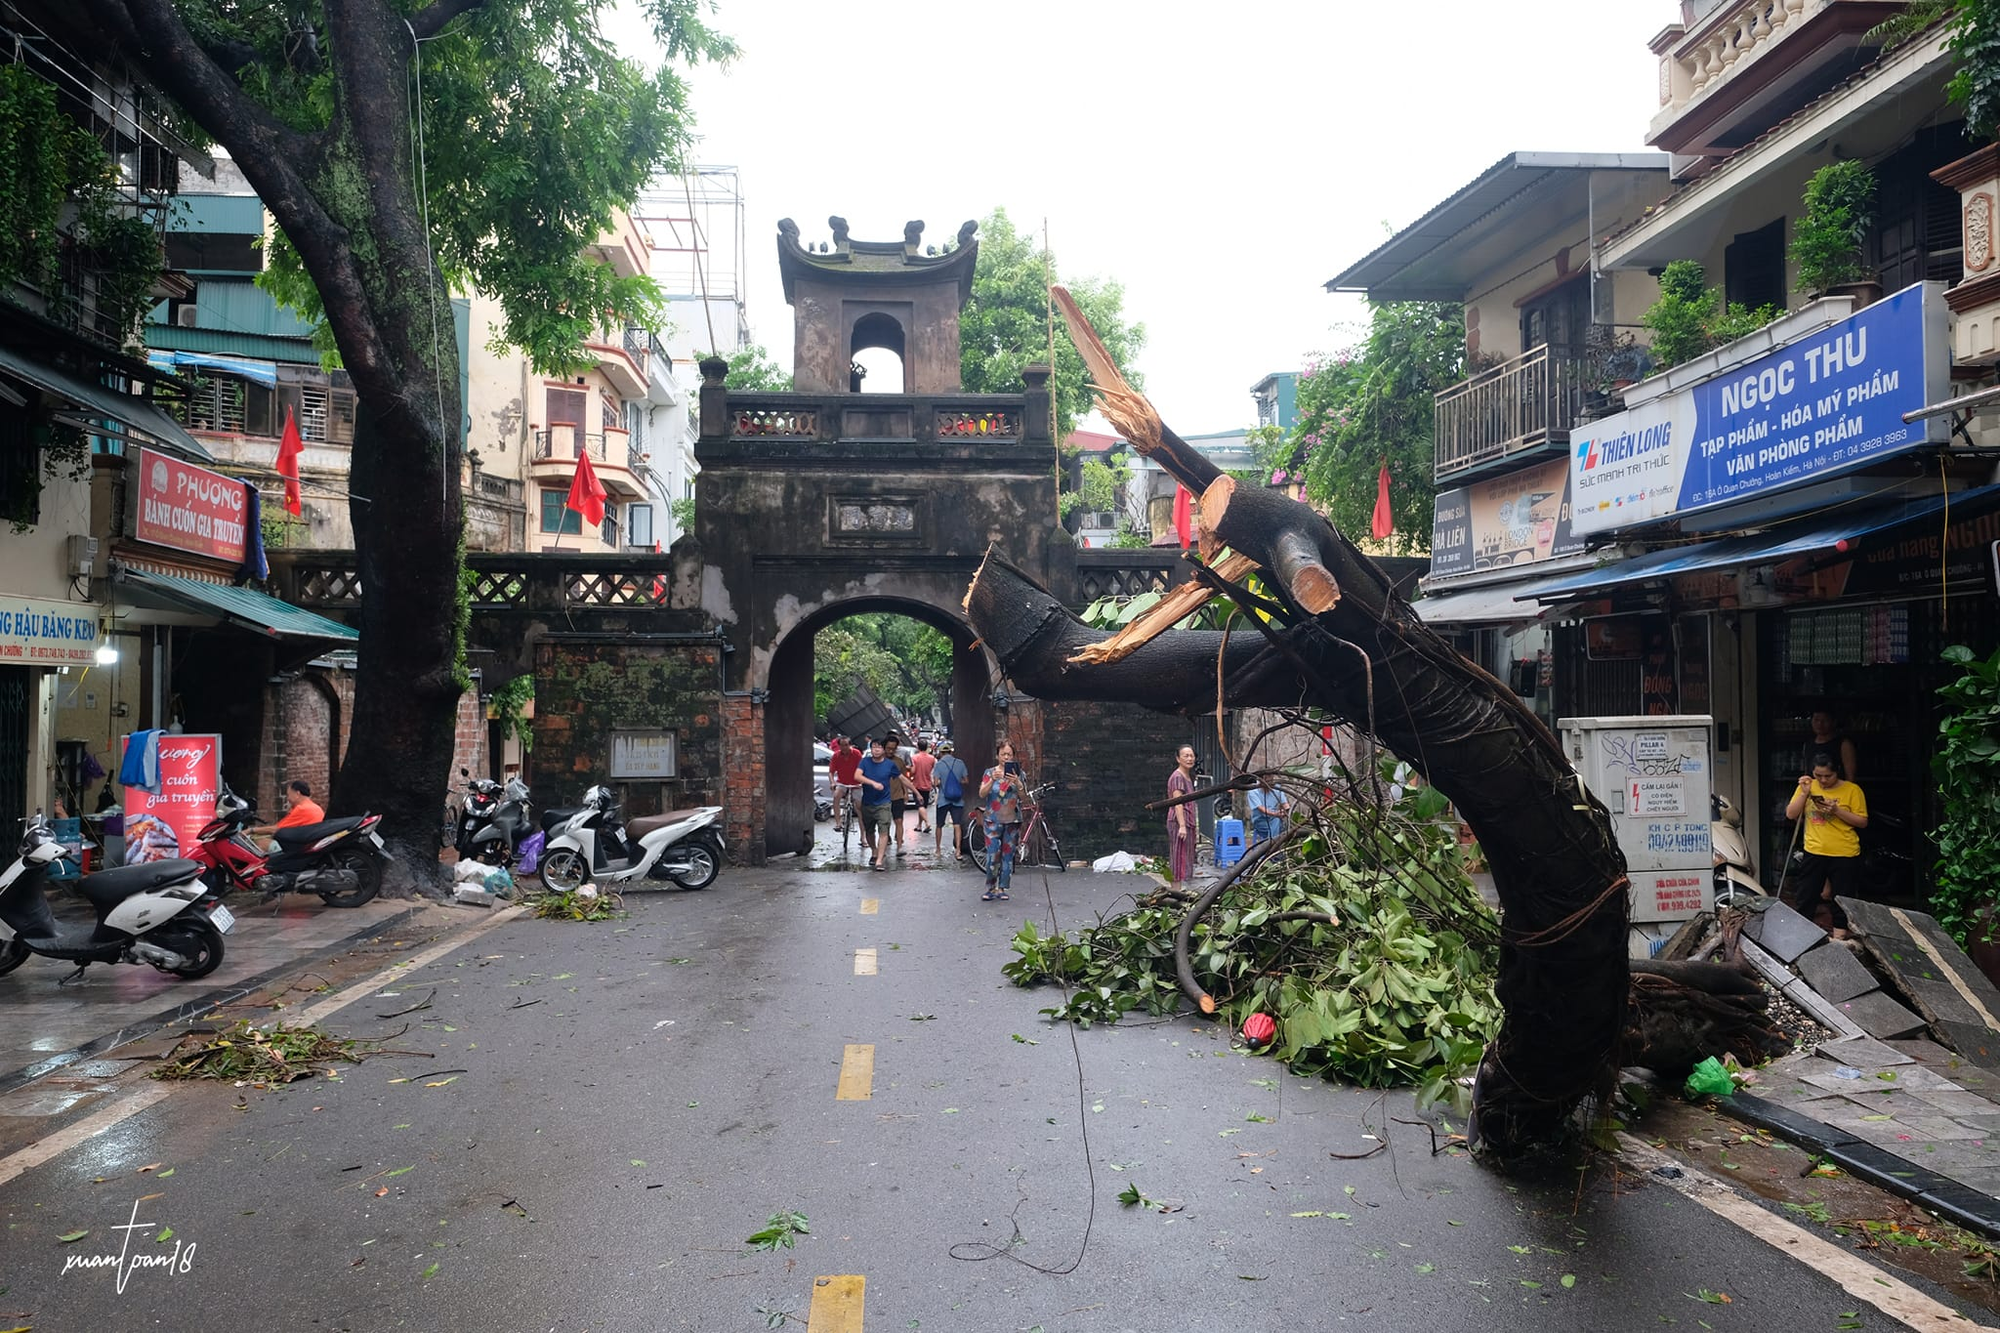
(300, 810)
(920, 783)
(845, 769)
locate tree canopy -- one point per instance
(403, 149)
(905, 662)
(1371, 404)
(1005, 325)
(752, 369)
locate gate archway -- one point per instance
(789, 719)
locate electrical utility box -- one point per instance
(1653, 774)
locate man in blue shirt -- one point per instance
(875, 772)
(1268, 808)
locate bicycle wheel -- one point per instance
(975, 843)
(846, 816)
(1054, 848)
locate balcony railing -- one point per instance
(564, 442)
(1517, 407)
(943, 418)
(508, 490)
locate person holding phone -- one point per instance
(1000, 797)
(1835, 811)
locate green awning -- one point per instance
(243, 607)
(103, 404)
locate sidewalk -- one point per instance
(1886, 1100)
(51, 1028)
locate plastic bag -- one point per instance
(529, 858)
(1711, 1078)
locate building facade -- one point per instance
(1793, 521)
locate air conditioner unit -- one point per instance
(188, 317)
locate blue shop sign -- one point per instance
(1828, 402)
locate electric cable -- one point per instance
(979, 1251)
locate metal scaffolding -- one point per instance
(694, 223)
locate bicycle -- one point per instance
(846, 810)
(1038, 847)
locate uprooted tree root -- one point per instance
(267, 1057)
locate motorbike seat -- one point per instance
(291, 839)
(107, 888)
(551, 818)
(635, 829)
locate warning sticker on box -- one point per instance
(1656, 796)
(1650, 747)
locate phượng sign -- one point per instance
(1826, 402)
(188, 508)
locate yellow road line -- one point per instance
(870, 906)
(836, 1304)
(864, 962)
(857, 1075)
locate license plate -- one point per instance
(224, 919)
(376, 838)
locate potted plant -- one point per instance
(1827, 239)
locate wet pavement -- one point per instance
(588, 1121)
(52, 1025)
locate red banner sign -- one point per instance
(158, 828)
(189, 508)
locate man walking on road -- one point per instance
(875, 773)
(949, 779)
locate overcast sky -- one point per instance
(1221, 163)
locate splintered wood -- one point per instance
(1169, 611)
(1122, 405)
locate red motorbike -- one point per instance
(340, 859)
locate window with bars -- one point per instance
(218, 403)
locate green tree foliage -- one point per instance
(751, 369)
(403, 149)
(1690, 318)
(1966, 765)
(1828, 236)
(1974, 38)
(1005, 325)
(1372, 404)
(1099, 484)
(905, 662)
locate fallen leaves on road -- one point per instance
(780, 1231)
(259, 1058)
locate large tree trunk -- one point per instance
(346, 197)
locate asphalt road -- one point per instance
(639, 1096)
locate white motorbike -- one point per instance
(591, 844)
(1735, 871)
(158, 912)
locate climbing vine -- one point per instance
(510, 706)
(53, 163)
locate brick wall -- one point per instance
(300, 714)
(586, 690)
(1109, 760)
(743, 777)
(468, 738)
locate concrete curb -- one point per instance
(195, 1008)
(1957, 1203)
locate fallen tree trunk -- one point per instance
(1342, 640)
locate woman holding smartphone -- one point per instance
(1000, 796)
(1835, 812)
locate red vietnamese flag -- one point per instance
(586, 492)
(659, 582)
(1183, 516)
(290, 446)
(1383, 525)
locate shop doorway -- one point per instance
(16, 719)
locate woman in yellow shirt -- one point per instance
(1835, 812)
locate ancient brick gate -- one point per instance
(695, 668)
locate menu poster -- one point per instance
(161, 827)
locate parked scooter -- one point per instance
(591, 843)
(493, 820)
(1735, 871)
(340, 859)
(158, 912)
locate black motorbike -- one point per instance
(493, 820)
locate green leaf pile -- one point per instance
(1400, 992)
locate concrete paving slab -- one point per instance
(1934, 972)
(1879, 1016)
(1834, 971)
(1783, 933)
(1974, 1041)
(1913, 1128)
(1849, 1087)
(1955, 1102)
(1864, 1053)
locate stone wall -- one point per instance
(585, 690)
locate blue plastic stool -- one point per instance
(1229, 845)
